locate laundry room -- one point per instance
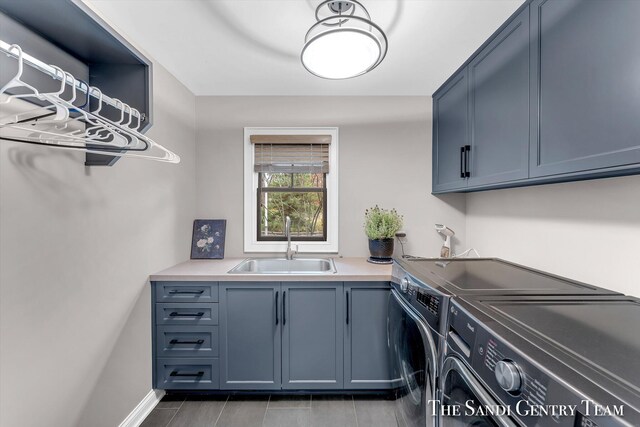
(368, 213)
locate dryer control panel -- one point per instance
(519, 384)
(422, 297)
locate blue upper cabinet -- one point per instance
(552, 96)
(499, 97)
(585, 85)
(451, 133)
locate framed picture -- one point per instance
(208, 238)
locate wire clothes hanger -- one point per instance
(62, 122)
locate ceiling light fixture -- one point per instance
(344, 43)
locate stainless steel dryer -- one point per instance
(418, 307)
(550, 360)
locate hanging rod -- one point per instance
(97, 134)
(49, 70)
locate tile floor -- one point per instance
(272, 411)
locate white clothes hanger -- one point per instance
(68, 126)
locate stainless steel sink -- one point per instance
(285, 266)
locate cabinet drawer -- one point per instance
(187, 374)
(187, 314)
(186, 292)
(187, 341)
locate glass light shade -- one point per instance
(341, 53)
(344, 42)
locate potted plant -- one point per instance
(381, 226)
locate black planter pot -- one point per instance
(381, 248)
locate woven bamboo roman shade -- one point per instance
(291, 153)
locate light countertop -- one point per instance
(216, 270)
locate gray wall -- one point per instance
(585, 230)
(384, 155)
(77, 245)
(588, 230)
(76, 248)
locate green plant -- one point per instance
(382, 223)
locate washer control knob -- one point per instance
(508, 376)
(404, 285)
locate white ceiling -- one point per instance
(252, 47)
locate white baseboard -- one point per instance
(144, 408)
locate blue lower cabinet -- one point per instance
(366, 354)
(312, 335)
(250, 318)
(271, 336)
(187, 374)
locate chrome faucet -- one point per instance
(287, 233)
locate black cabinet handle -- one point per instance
(176, 314)
(186, 374)
(284, 308)
(276, 307)
(174, 341)
(467, 150)
(181, 292)
(347, 307)
(462, 162)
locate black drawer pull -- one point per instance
(347, 307)
(284, 308)
(186, 374)
(176, 314)
(467, 171)
(181, 292)
(174, 341)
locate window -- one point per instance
(291, 172)
(301, 196)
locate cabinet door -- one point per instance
(499, 82)
(312, 331)
(450, 133)
(366, 354)
(250, 336)
(585, 87)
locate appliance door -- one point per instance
(460, 388)
(414, 358)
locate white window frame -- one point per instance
(251, 243)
